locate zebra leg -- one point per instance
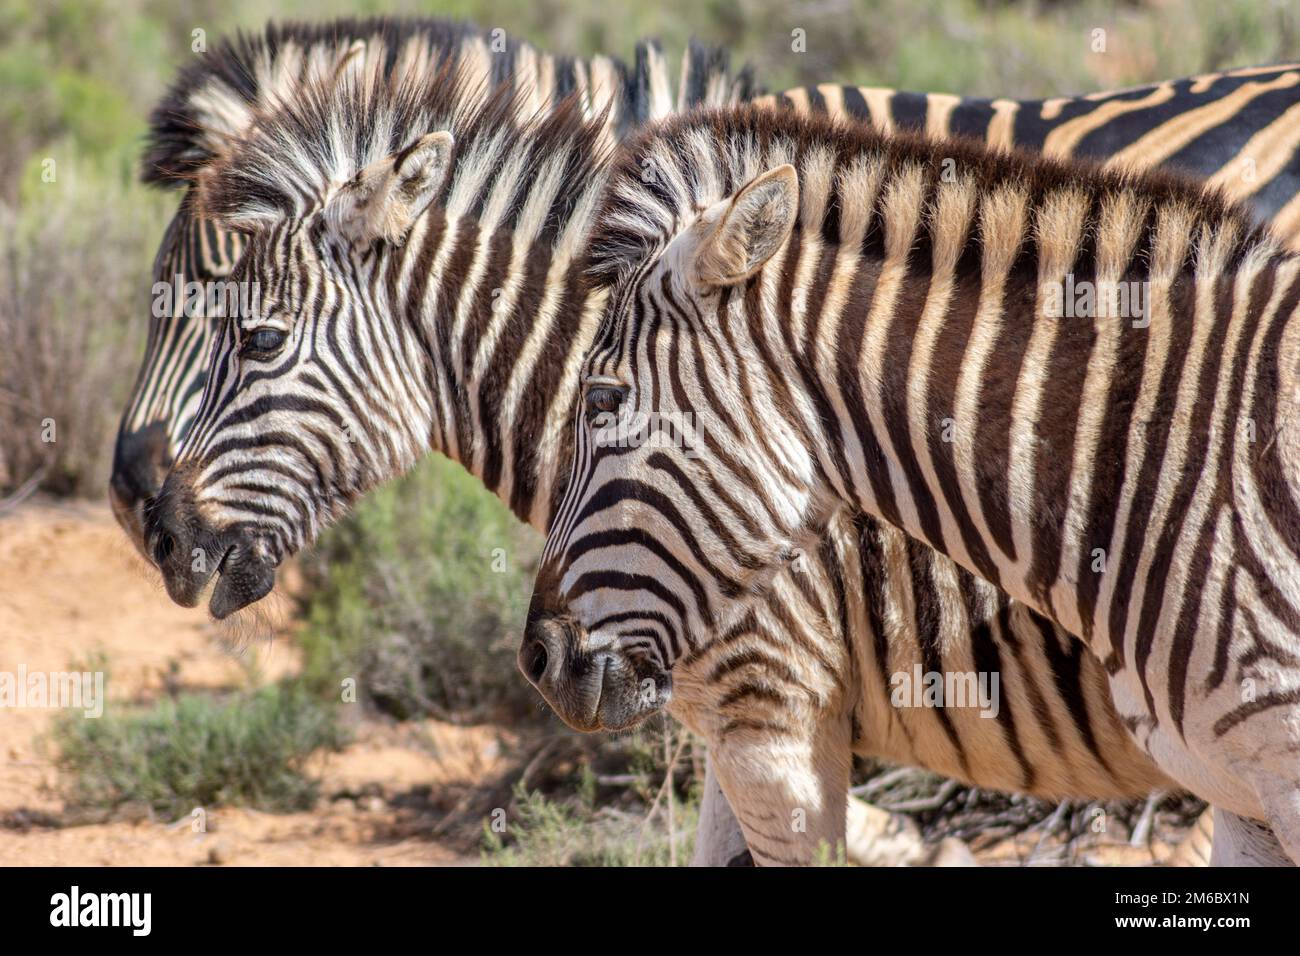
(719, 840)
(1240, 841)
(873, 837)
(1281, 798)
(789, 795)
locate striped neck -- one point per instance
(502, 315)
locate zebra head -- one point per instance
(212, 101)
(311, 391)
(217, 98)
(678, 507)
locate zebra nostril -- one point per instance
(537, 662)
(164, 547)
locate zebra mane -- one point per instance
(707, 79)
(294, 155)
(666, 175)
(217, 97)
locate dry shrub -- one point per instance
(75, 256)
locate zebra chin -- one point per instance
(590, 690)
(189, 554)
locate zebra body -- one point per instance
(1238, 130)
(856, 330)
(465, 336)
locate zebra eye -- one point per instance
(604, 400)
(263, 343)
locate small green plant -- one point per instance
(633, 801)
(575, 832)
(421, 596)
(248, 749)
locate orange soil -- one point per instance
(71, 586)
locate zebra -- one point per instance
(1236, 129)
(435, 297)
(807, 318)
(217, 98)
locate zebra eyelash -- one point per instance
(263, 343)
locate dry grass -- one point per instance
(74, 269)
(1055, 833)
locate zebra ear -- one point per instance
(753, 227)
(384, 199)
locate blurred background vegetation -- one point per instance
(422, 591)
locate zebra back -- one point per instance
(1236, 129)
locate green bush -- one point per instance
(246, 749)
(420, 595)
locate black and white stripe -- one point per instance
(1236, 129)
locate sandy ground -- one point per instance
(71, 586)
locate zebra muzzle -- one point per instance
(589, 689)
(189, 554)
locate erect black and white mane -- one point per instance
(294, 156)
(219, 94)
(669, 173)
